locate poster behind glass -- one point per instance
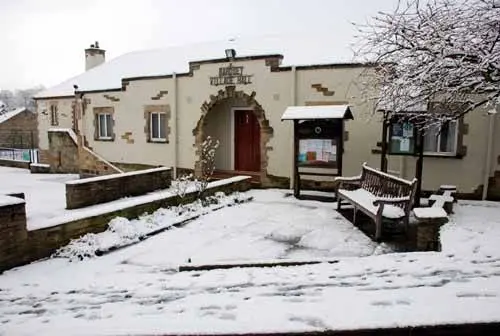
(402, 139)
(317, 153)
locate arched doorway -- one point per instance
(238, 121)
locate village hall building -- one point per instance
(156, 107)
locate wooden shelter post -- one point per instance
(296, 177)
(419, 169)
(383, 156)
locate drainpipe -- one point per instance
(489, 150)
(291, 129)
(174, 125)
(82, 118)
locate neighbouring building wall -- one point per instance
(63, 117)
(20, 131)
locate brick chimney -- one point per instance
(94, 56)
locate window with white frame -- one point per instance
(441, 139)
(54, 120)
(157, 126)
(104, 126)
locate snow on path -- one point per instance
(45, 193)
(387, 290)
(271, 226)
(133, 291)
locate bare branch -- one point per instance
(445, 50)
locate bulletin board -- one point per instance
(402, 138)
(317, 153)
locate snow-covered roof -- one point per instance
(296, 49)
(317, 112)
(9, 114)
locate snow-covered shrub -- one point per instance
(79, 249)
(181, 184)
(207, 160)
(124, 228)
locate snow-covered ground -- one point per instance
(46, 197)
(136, 290)
(45, 193)
(272, 226)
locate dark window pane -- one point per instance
(102, 125)
(109, 125)
(154, 126)
(431, 139)
(163, 123)
(448, 135)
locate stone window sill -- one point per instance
(158, 141)
(104, 139)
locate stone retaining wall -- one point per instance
(39, 168)
(103, 189)
(66, 155)
(19, 246)
(14, 164)
(13, 232)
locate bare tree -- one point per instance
(8, 99)
(20, 98)
(445, 51)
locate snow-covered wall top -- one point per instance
(9, 200)
(114, 176)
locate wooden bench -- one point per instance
(378, 195)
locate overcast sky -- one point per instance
(42, 42)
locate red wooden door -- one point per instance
(246, 141)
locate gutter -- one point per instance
(174, 126)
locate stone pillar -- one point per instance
(13, 232)
(428, 234)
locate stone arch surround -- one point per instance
(244, 100)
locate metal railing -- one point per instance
(16, 154)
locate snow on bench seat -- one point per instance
(427, 213)
(365, 199)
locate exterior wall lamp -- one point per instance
(230, 53)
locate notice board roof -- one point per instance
(317, 112)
